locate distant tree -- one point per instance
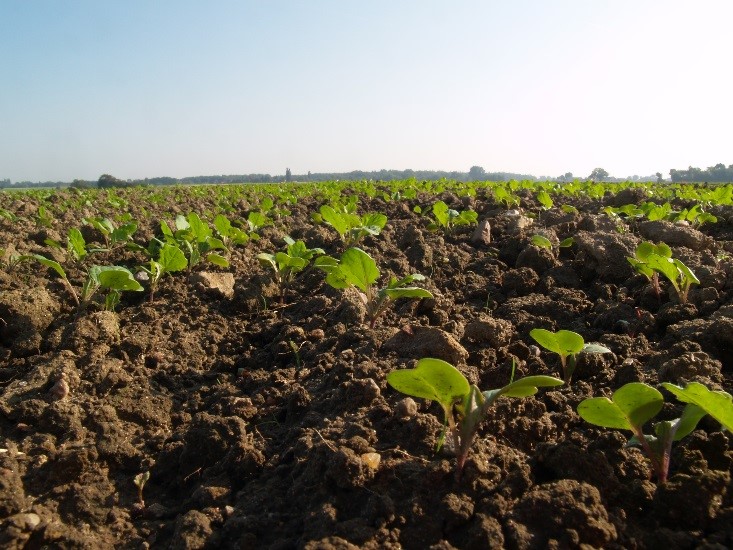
(476, 173)
(288, 175)
(660, 179)
(82, 184)
(718, 173)
(105, 180)
(598, 174)
(568, 176)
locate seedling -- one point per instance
(350, 226)
(543, 197)
(567, 344)
(53, 264)
(357, 269)
(635, 403)
(44, 217)
(170, 259)
(286, 265)
(140, 480)
(541, 241)
(194, 236)
(447, 219)
(508, 198)
(679, 275)
(228, 232)
(114, 278)
(464, 406)
(114, 237)
(255, 221)
(641, 258)
(9, 258)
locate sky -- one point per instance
(179, 88)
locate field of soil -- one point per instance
(260, 422)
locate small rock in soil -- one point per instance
(482, 233)
(219, 284)
(674, 235)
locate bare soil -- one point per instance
(256, 420)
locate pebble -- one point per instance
(372, 460)
(406, 407)
(60, 389)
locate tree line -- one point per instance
(717, 173)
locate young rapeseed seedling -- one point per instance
(464, 405)
(357, 269)
(634, 404)
(446, 218)
(567, 344)
(286, 265)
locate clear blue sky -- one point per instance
(182, 88)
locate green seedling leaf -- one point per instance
(217, 259)
(567, 243)
(166, 230)
(544, 199)
(541, 241)
(123, 233)
(663, 265)
(526, 386)
(222, 225)
(334, 219)
(630, 407)
(76, 245)
(717, 404)
(117, 278)
(359, 268)
(595, 348)
(441, 213)
(374, 222)
(562, 342)
(687, 275)
(407, 292)
(172, 258)
(52, 264)
(641, 267)
(686, 424)
(432, 379)
(199, 229)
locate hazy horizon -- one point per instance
(141, 89)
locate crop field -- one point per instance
(342, 365)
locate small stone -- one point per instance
(60, 389)
(482, 234)
(31, 520)
(221, 284)
(406, 407)
(371, 460)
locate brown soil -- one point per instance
(250, 444)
